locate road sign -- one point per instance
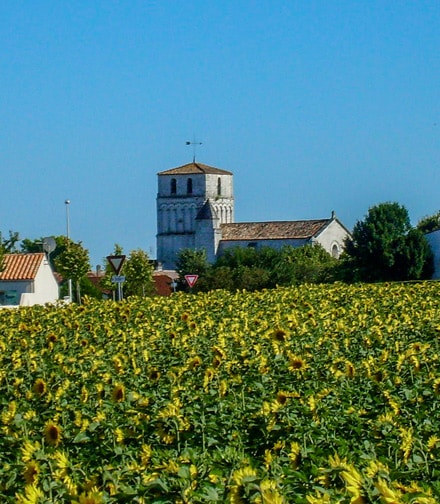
(191, 279)
(116, 262)
(118, 279)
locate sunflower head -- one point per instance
(52, 434)
(279, 335)
(296, 364)
(31, 472)
(118, 393)
(39, 387)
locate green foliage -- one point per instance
(9, 245)
(192, 262)
(255, 269)
(385, 247)
(429, 223)
(73, 264)
(307, 264)
(138, 271)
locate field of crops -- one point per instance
(316, 394)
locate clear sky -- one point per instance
(314, 105)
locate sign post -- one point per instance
(116, 263)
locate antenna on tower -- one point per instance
(194, 143)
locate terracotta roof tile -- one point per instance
(280, 230)
(194, 168)
(21, 266)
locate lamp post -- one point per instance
(69, 281)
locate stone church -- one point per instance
(195, 209)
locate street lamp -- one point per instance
(69, 281)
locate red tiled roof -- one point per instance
(162, 281)
(21, 266)
(280, 230)
(194, 168)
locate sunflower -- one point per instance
(153, 375)
(31, 473)
(296, 364)
(118, 393)
(436, 386)
(90, 498)
(241, 478)
(269, 493)
(279, 335)
(32, 495)
(52, 434)
(52, 338)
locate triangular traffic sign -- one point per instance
(116, 262)
(191, 279)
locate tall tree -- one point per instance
(138, 272)
(384, 246)
(73, 264)
(8, 246)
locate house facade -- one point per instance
(27, 279)
(195, 210)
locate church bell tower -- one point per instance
(193, 201)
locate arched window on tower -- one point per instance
(173, 186)
(189, 186)
(219, 186)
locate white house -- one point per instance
(27, 279)
(195, 209)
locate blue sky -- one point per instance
(314, 105)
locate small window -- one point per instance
(219, 186)
(189, 186)
(335, 251)
(173, 186)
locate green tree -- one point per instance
(310, 263)
(138, 272)
(9, 245)
(429, 223)
(73, 264)
(192, 262)
(385, 247)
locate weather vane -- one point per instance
(194, 143)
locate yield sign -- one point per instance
(191, 279)
(116, 262)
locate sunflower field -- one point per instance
(315, 394)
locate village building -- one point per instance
(26, 280)
(195, 210)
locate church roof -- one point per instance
(279, 230)
(21, 266)
(195, 168)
